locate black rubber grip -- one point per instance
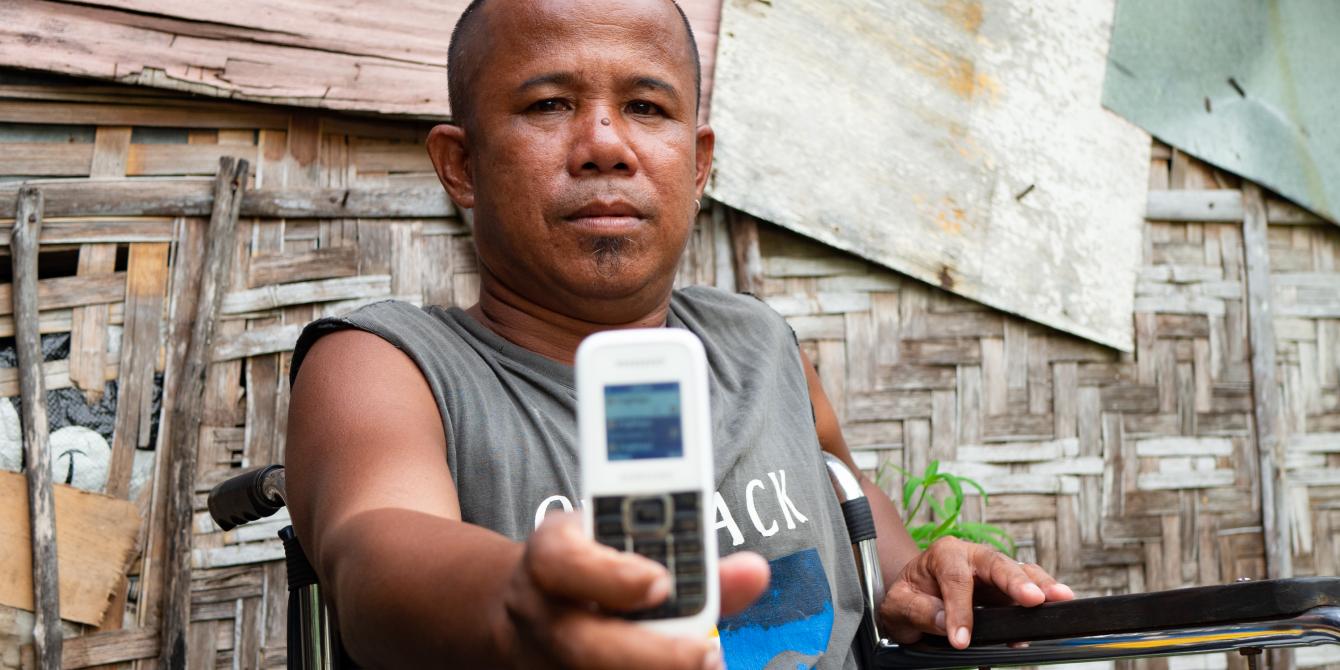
(1179, 608)
(300, 571)
(241, 499)
(860, 523)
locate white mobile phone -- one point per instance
(646, 463)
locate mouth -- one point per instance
(607, 217)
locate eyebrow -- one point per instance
(568, 79)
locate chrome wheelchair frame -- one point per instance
(1248, 617)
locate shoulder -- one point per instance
(400, 324)
(712, 310)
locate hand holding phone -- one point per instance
(646, 463)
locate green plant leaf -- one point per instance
(973, 483)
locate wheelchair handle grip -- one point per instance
(252, 495)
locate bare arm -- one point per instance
(375, 508)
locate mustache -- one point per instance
(575, 199)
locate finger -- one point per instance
(1009, 576)
(1054, 590)
(564, 563)
(586, 640)
(906, 613)
(954, 568)
(744, 576)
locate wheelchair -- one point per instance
(1248, 617)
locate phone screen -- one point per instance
(643, 421)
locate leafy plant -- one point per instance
(921, 490)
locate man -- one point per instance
(431, 452)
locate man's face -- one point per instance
(584, 154)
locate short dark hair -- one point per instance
(459, 71)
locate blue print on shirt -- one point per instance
(793, 618)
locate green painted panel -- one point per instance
(1252, 86)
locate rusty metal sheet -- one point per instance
(1252, 87)
(960, 142)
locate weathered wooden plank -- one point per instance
(57, 320)
(389, 157)
(59, 292)
(209, 115)
(100, 231)
(888, 405)
(46, 159)
(749, 269)
(391, 60)
(322, 263)
(389, 202)
(873, 202)
(190, 196)
(186, 415)
(88, 325)
(111, 146)
(1260, 323)
(105, 648)
(257, 341)
(96, 537)
(1218, 205)
(44, 572)
(180, 159)
(146, 286)
(1184, 446)
(184, 291)
(55, 375)
(274, 296)
(1191, 479)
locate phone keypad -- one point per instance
(666, 529)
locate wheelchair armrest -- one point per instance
(1179, 608)
(1249, 615)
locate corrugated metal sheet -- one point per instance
(960, 142)
(1248, 85)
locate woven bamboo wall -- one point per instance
(1117, 472)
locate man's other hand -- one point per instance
(564, 578)
(935, 592)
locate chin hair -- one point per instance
(610, 254)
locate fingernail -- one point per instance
(712, 660)
(961, 636)
(1032, 589)
(634, 568)
(1066, 590)
(940, 620)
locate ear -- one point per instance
(451, 159)
(706, 142)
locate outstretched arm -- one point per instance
(375, 508)
(931, 591)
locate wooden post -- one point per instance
(1265, 391)
(1265, 394)
(37, 460)
(748, 258)
(185, 417)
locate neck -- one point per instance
(539, 329)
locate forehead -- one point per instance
(521, 38)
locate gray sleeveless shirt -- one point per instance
(509, 416)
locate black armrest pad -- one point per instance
(1180, 608)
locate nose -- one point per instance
(602, 145)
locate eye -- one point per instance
(550, 105)
(643, 108)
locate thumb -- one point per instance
(744, 575)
